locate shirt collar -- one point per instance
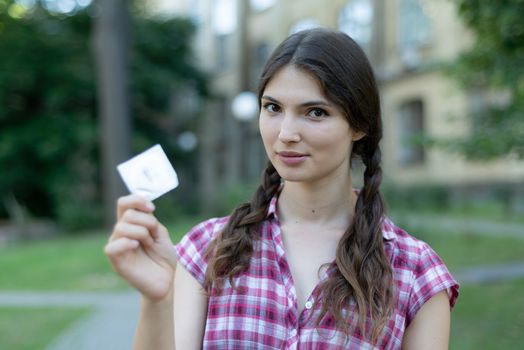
(388, 228)
(272, 209)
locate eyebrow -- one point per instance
(305, 104)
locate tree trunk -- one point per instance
(111, 49)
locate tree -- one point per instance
(49, 125)
(112, 50)
(493, 68)
(47, 121)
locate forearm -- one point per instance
(155, 329)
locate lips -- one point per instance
(291, 158)
(291, 154)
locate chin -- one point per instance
(293, 175)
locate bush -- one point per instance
(417, 196)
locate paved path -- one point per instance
(110, 325)
(490, 273)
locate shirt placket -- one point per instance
(291, 317)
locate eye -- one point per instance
(317, 113)
(271, 107)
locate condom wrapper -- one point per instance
(149, 174)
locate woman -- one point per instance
(310, 263)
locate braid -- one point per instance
(229, 254)
(363, 270)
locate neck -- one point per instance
(326, 204)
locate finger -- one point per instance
(136, 232)
(162, 232)
(133, 201)
(142, 219)
(120, 246)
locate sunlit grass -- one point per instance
(463, 250)
(78, 262)
(65, 263)
(34, 328)
(489, 317)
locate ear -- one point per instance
(357, 135)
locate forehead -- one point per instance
(291, 83)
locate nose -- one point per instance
(289, 129)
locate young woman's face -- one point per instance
(306, 137)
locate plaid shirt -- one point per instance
(262, 313)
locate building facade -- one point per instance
(406, 41)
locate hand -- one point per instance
(140, 249)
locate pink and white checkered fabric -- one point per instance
(262, 313)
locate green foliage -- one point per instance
(49, 143)
(47, 123)
(494, 65)
(162, 67)
(494, 201)
(233, 195)
(422, 197)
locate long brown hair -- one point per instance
(363, 272)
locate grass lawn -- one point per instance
(65, 263)
(34, 328)
(61, 263)
(461, 250)
(78, 263)
(489, 317)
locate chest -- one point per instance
(307, 250)
(258, 312)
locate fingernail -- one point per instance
(150, 206)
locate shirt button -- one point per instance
(293, 332)
(308, 305)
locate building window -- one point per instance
(356, 20)
(224, 24)
(197, 12)
(261, 55)
(262, 52)
(411, 130)
(262, 5)
(224, 17)
(223, 51)
(414, 30)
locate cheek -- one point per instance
(266, 130)
(332, 141)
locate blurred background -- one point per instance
(86, 84)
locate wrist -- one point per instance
(160, 303)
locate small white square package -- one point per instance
(149, 173)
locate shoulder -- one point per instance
(192, 248)
(404, 247)
(418, 270)
(205, 231)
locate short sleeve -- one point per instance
(431, 276)
(192, 247)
